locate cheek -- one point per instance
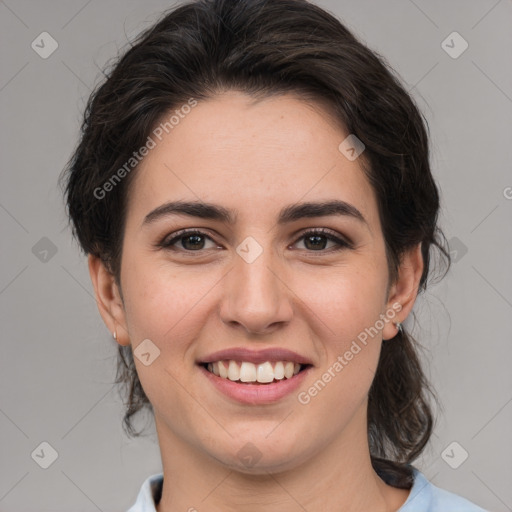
(168, 307)
(164, 304)
(350, 307)
(348, 300)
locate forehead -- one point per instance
(253, 157)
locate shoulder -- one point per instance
(426, 497)
(149, 494)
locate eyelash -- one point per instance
(343, 244)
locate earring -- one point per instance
(115, 334)
(399, 327)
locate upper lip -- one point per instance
(256, 356)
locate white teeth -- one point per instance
(247, 372)
(288, 369)
(223, 371)
(233, 371)
(263, 373)
(279, 371)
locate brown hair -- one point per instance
(264, 47)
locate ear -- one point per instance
(404, 290)
(108, 299)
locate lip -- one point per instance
(256, 394)
(256, 356)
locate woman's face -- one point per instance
(258, 284)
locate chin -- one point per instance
(260, 456)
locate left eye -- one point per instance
(193, 241)
(318, 239)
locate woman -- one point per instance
(252, 188)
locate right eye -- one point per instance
(191, 241)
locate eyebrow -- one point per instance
(288, 214)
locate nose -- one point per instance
(255, 296)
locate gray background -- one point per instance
(57, 358)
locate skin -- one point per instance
(256, 158)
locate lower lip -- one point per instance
(256, 394)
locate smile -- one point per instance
(261, 385)
(247, 372)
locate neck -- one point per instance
(340, 477)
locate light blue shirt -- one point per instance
(423, 497)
